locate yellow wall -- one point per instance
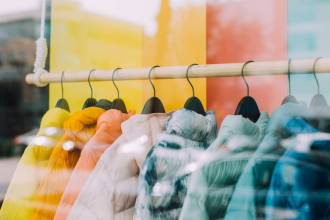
(83, 40)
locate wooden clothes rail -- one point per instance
(200, 71)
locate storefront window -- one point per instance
(251, 144)
(21, 106)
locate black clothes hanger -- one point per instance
(90, 102)
(104, 104)
(289, 98)
(318, 100)
(118, 103)
(248, 107)
(193, 103)
(154, 104)
(62, 102)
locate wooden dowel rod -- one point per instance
(200, 71)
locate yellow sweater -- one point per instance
(79, 128)
(30, 170)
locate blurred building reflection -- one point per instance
(21, 106)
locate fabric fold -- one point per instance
(79, 128)
(212, 185)
(249, 197)
(107, 131)
(111, 189)
(31, 169)
(166, 171)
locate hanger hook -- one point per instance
(242, 73)
(149, 77)
(314, 73)
(113, 80)
(62, 86)
(187, 76)
(89, 82)
(289, 75)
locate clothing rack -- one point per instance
(175, 72)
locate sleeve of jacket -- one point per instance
(242, 205)
(145, 182)
(95, 198)
(275, 196)
(289, 194)
(194, 207)
(32, 167)
(22, 187)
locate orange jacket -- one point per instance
(79, 128)
(108, 130)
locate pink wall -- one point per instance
(240, 31)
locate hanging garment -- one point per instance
(248, 199)
(30, 170)
(79, 128)
(300, 183)
(111, 189)
(165, 173)
(212, 185)
(107, 131)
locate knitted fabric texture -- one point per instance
(79, 128)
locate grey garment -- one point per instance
(248, 200)
(211, 186)
(165, 173)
